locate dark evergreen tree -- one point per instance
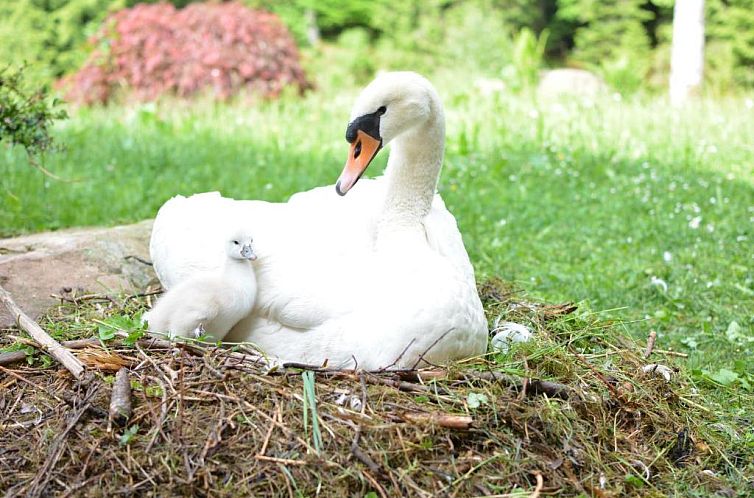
(730, 33)
(607, 29)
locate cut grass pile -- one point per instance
(208, 423)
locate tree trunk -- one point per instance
(687, 59)
(312, 29)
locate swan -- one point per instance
(374, 279)
(210, 302)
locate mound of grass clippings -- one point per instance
(571, 412)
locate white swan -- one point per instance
(374, 279)
(210, 302)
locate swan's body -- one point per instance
(379, 277)
(210, 302)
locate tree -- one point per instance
(687, 60)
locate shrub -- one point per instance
(26, 114)
(153, 50)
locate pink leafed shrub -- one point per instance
(218, 48)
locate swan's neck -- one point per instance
(411, 174)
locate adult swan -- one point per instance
(378, 278)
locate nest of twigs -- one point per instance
(571, 412)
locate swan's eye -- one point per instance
(235, 242)
(357, 150)
(382, 110)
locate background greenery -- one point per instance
(626, 41)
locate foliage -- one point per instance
(611, 37)
(152, 50)
(527, 60)
(50, 35)
(26, 115)
(730, 29)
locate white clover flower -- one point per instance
(659, 283)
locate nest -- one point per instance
(572, 412)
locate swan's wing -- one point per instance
(300, 246)
(444, 238)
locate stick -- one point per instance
(12, 357)
(650, 344)
(538, 487)
(535, 386)
(284, 461)
(120, 402)
(65, 357)
(446, 420)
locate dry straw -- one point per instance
(570, 413)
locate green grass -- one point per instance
(599, 202)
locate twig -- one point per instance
(269, 431)
(33, 384)
(650, 344)
(376, 484)
(284, 461)
(12, 357)
(446, 420)
(355, 450)
(538, 487)
(395, 361)
(163, 414)
(65, 357)
(38, 484)
(120, 402)
(434, 343)
(535, 386)
(139, 259)
(671, 353)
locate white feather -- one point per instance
(376, 276)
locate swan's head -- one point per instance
(389, 106)
(238, 246)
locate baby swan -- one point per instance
(209, 303)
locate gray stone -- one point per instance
(557, 82)
(96, 260)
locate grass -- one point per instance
(207, 423)
(640, 212)
(621, 204)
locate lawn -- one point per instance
(626, 206)
(641, 213)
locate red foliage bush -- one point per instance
(152, 50)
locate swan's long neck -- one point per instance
(412, 173)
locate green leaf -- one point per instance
(474, 400)
(128, 435)
(634, 481)
(133, 336)
(690, 343)
(724, 376)
(105, 333)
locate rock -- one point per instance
(507, 333)
(572, 82)
(33, 267)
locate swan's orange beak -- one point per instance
(363, 150)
